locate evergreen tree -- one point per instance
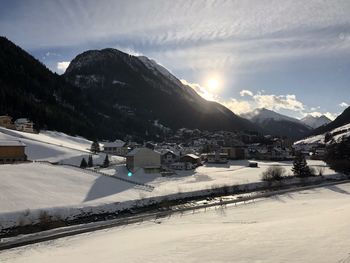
(90, 162)
(95, 147)
(300, 167)
(106, 161)
(83, 163)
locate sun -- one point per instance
(213, 84)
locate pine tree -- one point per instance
(90, 162)
(106, 161)
(300, 167)
(95, 147)
(83, 163)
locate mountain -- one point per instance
(105, 94)
(29, 89)
(139, 89)
(277, 124)
(315, 122)
(341, 120)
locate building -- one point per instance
(169, 157)
(182, 166)
(144, 158)
(217, 157)
(6, 121)
(191, 158)
(234, 153)
(24, 125)
(118, 147)
(12, 151)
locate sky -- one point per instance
(289, 56)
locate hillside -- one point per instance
(139, 89)
(277, 124)
(341, 120)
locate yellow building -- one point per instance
(12, 151)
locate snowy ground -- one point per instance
(30, 188)
(306, 226)
(54, 146)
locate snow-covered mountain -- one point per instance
(262, 114)
(315, 122)
(277, 124)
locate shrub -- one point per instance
(274, 173)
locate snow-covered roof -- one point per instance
(142, 150)
(22, 121)
(192, 156)
(11, 143)
(116, 143)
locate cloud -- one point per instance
(245, 92)
(344, 105)
(62, 66)
(202, 91)
(238, 106)
(277, 102)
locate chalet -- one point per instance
(24, 125)
(12, 151)
(118, 147)
(144, 158)
(6, 121)
(169, 157)
(217, 157)
(191, 158)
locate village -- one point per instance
(185, 150)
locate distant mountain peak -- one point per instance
(315, 121)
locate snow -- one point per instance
(306, 226)
(54, 146)
(67, 191)
(320, 139)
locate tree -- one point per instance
(83, 163)
(300, 167)
(90, 161)
(106, 161)
(95, 147)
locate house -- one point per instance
(234, 153)
(144, 158)
(182, 166)
(217, 157)
(169, 157)
(118, 147)
(191, 158)
(12, 151)
(24, 125)
(6, 121)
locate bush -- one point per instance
(273, 173)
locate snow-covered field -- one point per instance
(28, 189)
(54, 146)
(306, 226)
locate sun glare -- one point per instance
(213, 84)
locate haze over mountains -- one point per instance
(277, 124)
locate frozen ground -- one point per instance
(30, 188)
(54, 146)
(306, 226)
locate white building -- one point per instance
(144, 158)
(118, 147)
(25, 125)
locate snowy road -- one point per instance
(307, 226)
